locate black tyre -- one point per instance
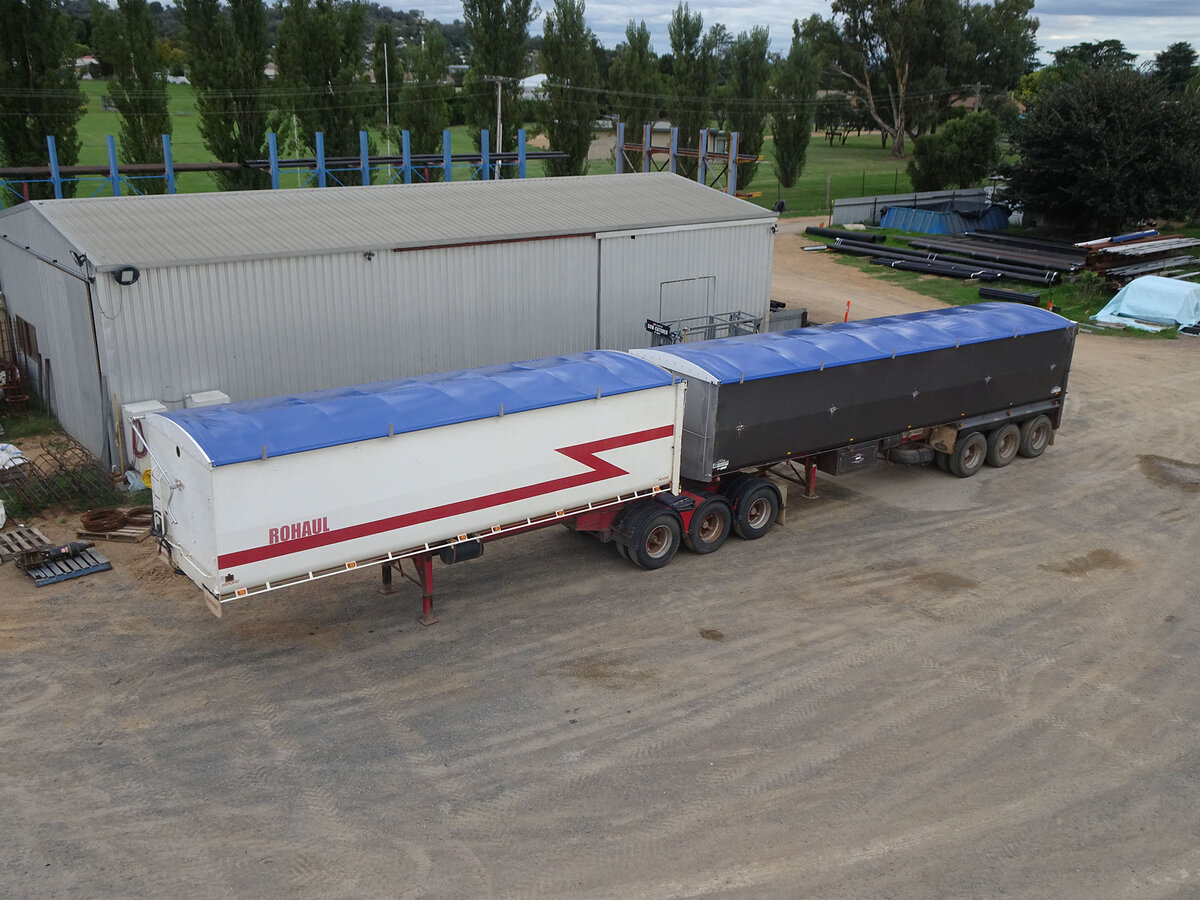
(1035, 436)
(755, 506)
(709, 526)
(732, 483)
(970, 451)
(942, 460)
(654, 538)
(1002, 445)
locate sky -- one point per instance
(1146, 26)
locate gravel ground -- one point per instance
(918, 687)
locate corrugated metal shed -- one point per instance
(183, 229)
(272, 292)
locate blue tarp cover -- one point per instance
(238, 432)
(770, 354)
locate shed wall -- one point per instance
(64, 373)
(264, 327)
(677, 273)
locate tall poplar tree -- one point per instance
(689, 100)
(424, 109)
(572, 85)
(795, 91)
(127, 40)
(634, 84)
(39, 93)
(319, 54)
(228, 52)
(498, 33)
(749, 94)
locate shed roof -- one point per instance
(182, 229)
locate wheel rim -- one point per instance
(758, 513)
(711, 526)
(973, 454)
(1040, 437)
(1009, 441)
(658, 542)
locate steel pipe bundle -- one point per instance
(858, 237)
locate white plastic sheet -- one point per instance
(1152, 303)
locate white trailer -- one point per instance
(258, 495)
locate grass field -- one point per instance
(860, 167)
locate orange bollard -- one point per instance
(846, 318)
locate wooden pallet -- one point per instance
(21, 539)
(130, 534)
(86, 563)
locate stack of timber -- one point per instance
(1127, 256)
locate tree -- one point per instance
(959, 155)
(39, 94)
(425, 99)
(126, 39)
(319, 56)
(634, 84)
(229, 52)
(795, 91)
(572, 84)
(903, 59)
(834, 115)
(691, 80)
(1110, 54)
(1175, 66)
(498, 33)
(750, 92)
(1105, 149)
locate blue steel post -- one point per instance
(733, 142)
(406, 155)
(364, 158)
(620, 147)
(114, 177)
(55, 178)
(646, 139)
(701, 152)
(674, 147)
(485, 162)
(273, 151)
(520, 152)
(320, 159)
(447, 157)
(168, 164)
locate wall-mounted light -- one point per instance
(126, 275)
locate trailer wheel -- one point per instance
(970, 451)
(1035, 436)
(709, 526)
(733, 482)
(1002, 445)
(655, 536)
(755, 506)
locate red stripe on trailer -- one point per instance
(598, 470)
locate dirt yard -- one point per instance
(919, 687)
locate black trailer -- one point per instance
(838, 396)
